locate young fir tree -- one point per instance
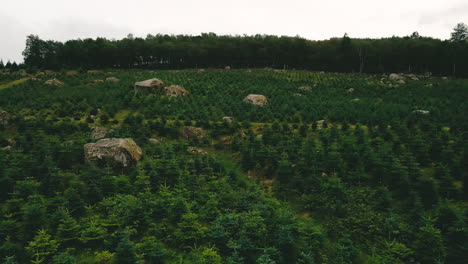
(42, 247)
(125, 252)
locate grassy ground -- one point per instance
(16, 82)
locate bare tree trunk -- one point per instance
(361, 60)
(454, 68)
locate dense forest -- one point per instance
(334, 168)
(414, 53)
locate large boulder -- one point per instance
(100, 132)
(175, 91)
(116, 151)
(54, 82)
(5, 118)
(193, 133)
(151, 86)
(256, 99)
(396, 77)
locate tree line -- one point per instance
(412, 53)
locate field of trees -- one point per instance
(335, 168)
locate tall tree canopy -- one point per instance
(208, 50)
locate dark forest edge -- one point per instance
(412, 53)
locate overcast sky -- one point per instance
(62, 20)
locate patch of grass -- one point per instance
(72, 73)
(94, 71)
(16, 82)
(121, 115)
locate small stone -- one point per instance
(228, 120)
(196, 151)
(112, 79)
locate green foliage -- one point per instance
(372, 183)
(394, 54)
(42, 247)
(125, 251)
(460, 33)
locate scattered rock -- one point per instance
(155, 141)
(444, 78)
(193, 133)
(350, 91)
(422, 112)
(228, 120)
(100, 132)
(429, 85)
(355, 100)
(98, 81)
(175, 90)
(5, 118)
(256, 99)
(401, 82)
(152, 86)
(201, 70)
(248, 70)
(413, 77)
(225, 140)
(54, 82)
(8, 149)
(396, 77)
(227, 67)
(112, 79)
(320, 122)
(117, 151)
(196, 151)
(305, 88)
(242, 135)
(297, 94)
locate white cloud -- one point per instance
(62, 20)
